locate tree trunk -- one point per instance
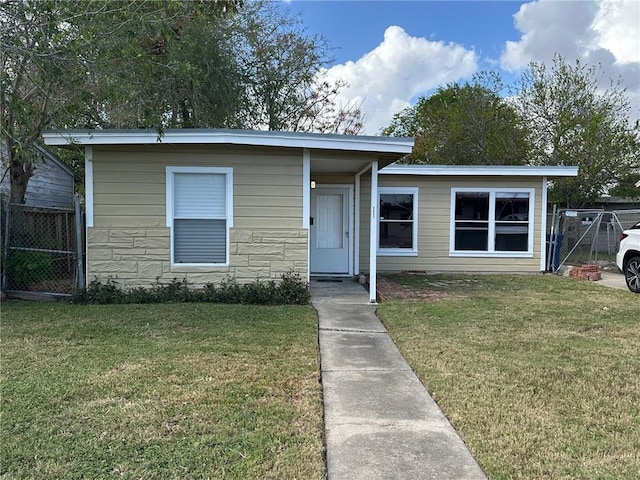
(19, 175)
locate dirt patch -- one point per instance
(389, 290)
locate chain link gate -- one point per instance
(586, 236)
(43, 250)
(573, 238)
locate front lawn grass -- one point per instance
(160, 392)
(539, 374)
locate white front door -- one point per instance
(330, 221)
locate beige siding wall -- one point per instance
(332, 179)
(434, 209)
(131, 243)
(129, 185)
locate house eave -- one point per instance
(359, 143)
(481, 170)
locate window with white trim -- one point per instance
(199, 214)
(492, 221)
(398, 221)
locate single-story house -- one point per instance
(209, 204)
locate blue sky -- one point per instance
(392, 52)
(356, 27)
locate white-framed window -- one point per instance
(398, 221)
(199, 214)
(492, 222)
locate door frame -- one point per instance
(350, 225)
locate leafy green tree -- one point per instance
(464, 124)
(283, 68)
(36, 72)
(576, 122)
(105, 64)
(161, 64)
(158, 64)
(626, 187)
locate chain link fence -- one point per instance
(619, 220)
(573, 236)
(42, 250)
(580, 237)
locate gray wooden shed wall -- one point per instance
(51, 184)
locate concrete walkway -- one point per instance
(380, 422)
(613, 279)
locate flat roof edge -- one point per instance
(399, 145)
(481, 170)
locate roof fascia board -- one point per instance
(241, 137)
(456, 170)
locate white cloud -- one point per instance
(605, 32)
(548, 27)
(401, 67)
(618, 26)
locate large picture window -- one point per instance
(199, 213)
(398, 214)
(492, 221)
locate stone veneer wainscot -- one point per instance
(140, 256)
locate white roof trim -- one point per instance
(360, 143)
(481, 170)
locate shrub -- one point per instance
(26, 267)
(176, 291)
(291, 290)
(99, 293)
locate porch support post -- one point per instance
(306, 202)
(88, 203)
(543, 227)
(356, 229)
(356, 235)
(88, 185)
(373, 233)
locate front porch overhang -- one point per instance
(328, 167)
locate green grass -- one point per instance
(160, 392)
(539, 374)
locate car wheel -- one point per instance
(632, 274)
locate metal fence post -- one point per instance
(5, 243)
(79, 249)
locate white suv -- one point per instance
(628, 257)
